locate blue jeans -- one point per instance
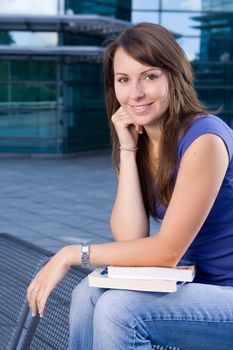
(197, 316)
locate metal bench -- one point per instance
(18, 265)
(52, 331)
(19, 262)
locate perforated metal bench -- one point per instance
(18, 265)
(19, 262)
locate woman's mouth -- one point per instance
(141, 108)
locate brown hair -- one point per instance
(153, 45)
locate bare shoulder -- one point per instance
(205, 146)
(200, 175)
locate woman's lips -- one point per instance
(141, 108)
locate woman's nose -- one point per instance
(137, 91)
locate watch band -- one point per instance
(85, 255)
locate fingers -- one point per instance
(45, 281)
(124, 120)
(33, 302)
(139, 129)
(41, 301)
(120, 117)
(32, 294)
(37, 298)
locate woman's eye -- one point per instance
(151, 76)
(123, 80)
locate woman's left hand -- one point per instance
(46, 280)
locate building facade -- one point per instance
(205, 31)
(51, 81)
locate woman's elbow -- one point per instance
(115, 230)
(168, 252)
(124, 232)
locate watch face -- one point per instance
(85, 255)
(85, 249)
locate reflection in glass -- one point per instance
(31, 124)
(6, 38)
(192, 5)
(34, 95)
(216, 36)
(3, 71)
(212, 73)
(191, 47)
(145, 5)
(152, 17)
(180, 22)
(34, 39)
(33, 70)
(217, 5)
(113, 8)
(29, 7)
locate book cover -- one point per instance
(99, 278)
(184, 271)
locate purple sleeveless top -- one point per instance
(212, 248)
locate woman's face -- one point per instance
(141, 90)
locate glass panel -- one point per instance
(6, 38)
(112, 8)
(181, 23)
(217, 5)
(193, 5)
(216, 97)
(83, 86)
(148, 13)
(33, 95)
(151, 16)
(191, 47)
(81, 39)
(28, 124)
(145, 5)
(33, 70)
(216, 48)
(213, 81)
(3, 70)
(4, 94)
(29, 7)
(198, 5)
(34, 39)
(28, 117)
(86, 125)
(213, 74)
(216, 37)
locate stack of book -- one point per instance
(153, 279)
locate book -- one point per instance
(184, 271)
(99, 278)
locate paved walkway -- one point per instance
(57, 202)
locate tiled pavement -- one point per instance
(53, 202)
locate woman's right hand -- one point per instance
(126, 130)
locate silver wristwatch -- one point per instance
(85, 255)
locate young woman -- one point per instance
(174, 162)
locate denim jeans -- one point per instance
(196, 317)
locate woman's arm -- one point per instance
(199, 179)
(200, 176)
(129, 219)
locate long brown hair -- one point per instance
(153, 45)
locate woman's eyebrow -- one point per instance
(120, 73)
(150, 69)
(144, 72)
